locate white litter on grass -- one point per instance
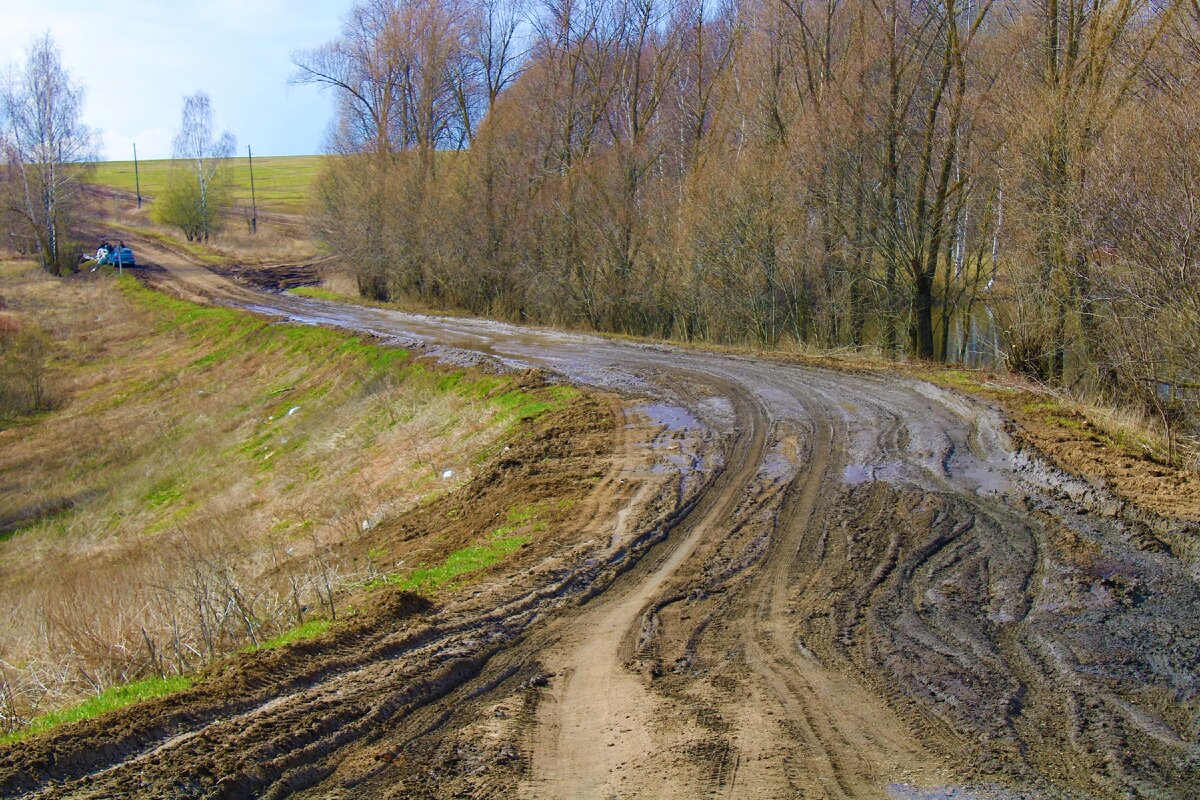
(293, 410)
(448, 474)
(366, 524)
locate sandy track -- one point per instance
(805, 584)
(597, 728)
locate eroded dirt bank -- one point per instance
(797, 583)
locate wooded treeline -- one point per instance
(861, 173)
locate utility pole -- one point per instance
(253, 201)
(137, 180)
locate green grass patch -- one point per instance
(508, 538)
(523, 514)
(308, 630)
(457, 565)
(316, 292)
(957, 379)
(109, 700)
(523, 405)
(175, 517)
(164, 493)
(281, 183)
(478, 388)
(1051, 412)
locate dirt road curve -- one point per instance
(806, 583)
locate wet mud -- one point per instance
(783, 581)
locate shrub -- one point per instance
(180, 206)
(24, 363)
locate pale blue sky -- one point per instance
(138, 58)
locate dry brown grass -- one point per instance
(340, 282)
(273, 243)
(195, 491)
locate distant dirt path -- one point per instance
(295, 224)
(800, 583)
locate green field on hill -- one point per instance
(281, 183)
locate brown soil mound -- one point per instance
(1084, 450)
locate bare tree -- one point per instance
(48, 145)
(828, 172)
(198, 191)
(365, 73)
(1092, 58)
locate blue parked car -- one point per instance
(116, 255)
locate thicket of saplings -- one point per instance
(198, 188)
(855, 173)
(201, 597)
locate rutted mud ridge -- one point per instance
(794, 583)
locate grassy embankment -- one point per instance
(205, 481)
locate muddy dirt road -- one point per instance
(804, 583)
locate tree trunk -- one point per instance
(923, 309)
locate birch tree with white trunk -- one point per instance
(47, 146)
(203, 155)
